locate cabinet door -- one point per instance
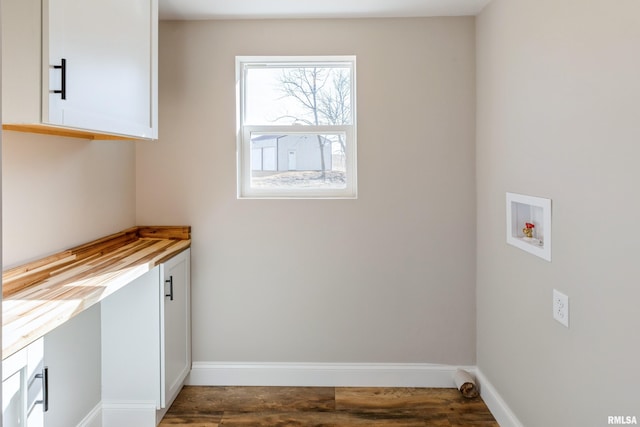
(22, 387)
(110, 74)
(14, 408)
(72, 358)
(176, 325)
(14, 389)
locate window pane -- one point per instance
(314, 95)
(298, 161)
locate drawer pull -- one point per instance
(63, 78)
(44, 376)
(170, 282)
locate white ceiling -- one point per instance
(265, 9)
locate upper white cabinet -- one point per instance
(79, 65)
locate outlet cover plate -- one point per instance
(561, 307)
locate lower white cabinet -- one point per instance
(175, 326)
(120, 363)
(146, 345)
(22, 385)
(72, 360)
(55, 381)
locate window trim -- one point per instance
(243, 154)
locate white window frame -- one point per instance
(244, 131)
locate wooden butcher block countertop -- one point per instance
(40, 296)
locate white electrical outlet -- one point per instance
(561, 307)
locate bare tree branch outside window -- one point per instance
(324, 95)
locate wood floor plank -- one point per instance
(188, 421)
(389, 398)
(323, 419)
(254, 399)
(277, 419)
(384, 418)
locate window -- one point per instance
(296, 127)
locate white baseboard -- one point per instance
(129, 414)
(322, 374)
(93, 418)
(498, 407)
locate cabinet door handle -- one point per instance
(44, 376)
(63, 79)
(170, 282)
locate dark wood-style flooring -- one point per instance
(325, 407)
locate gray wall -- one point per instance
(389, 277)
(60, 192)
(559, 117)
